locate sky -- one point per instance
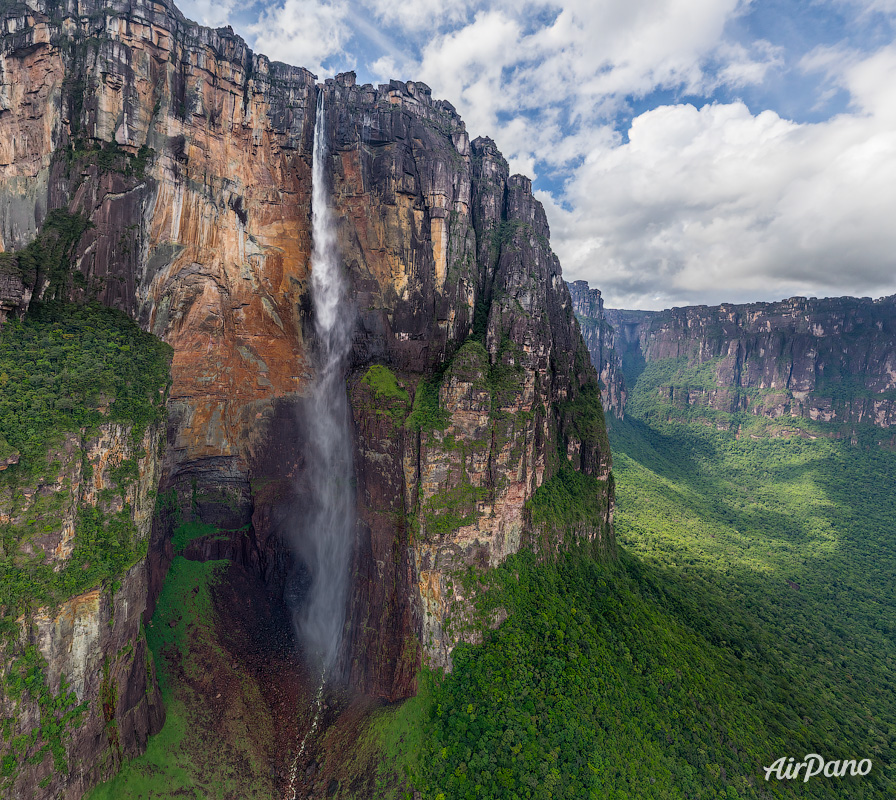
(686, 151)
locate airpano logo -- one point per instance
(788, 769)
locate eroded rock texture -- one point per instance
(600, 338)
(832, 360)
(90, 649)
(191, 156)
(458, 293)
(187, 153)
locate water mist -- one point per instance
(325, 536)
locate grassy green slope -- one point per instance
(780, 546)
(750, 616)
(230, 700)
(169, 766)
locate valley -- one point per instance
(318, 480)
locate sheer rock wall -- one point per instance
(191, 157)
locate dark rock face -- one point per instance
(14, 295)
(383, 651)
(600, 338)
(191, 157)
(832, 360)
(444, 248)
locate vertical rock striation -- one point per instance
(91, 698)
(829, 360)
(191, 158)
(600, 338)
(459, 294)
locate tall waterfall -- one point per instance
(324, 541)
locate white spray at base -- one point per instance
(325, 535)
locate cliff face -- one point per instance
(600, 339)
(459, 294)
(90, 697)
(831, 360)
(191, 157)
(185, 151)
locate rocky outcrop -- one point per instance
(14, 294)
(459, 295)
(599, 337)
(77, 683)
(190, 156)
(831, 360)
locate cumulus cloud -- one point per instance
(500, 57)
(716, 203)
(695, 202)
(304, 32)
(213, 13)
(507, 74)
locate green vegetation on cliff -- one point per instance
(389, 398)
(58, 367)
(59, 714)
(384, 383)
(68, 367)
(570, 501)
(223, 736)
(750, 616)
(426, 415)
(181, 632)
(46, 260)
(64, 370)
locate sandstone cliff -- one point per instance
(77, 683)
(830, 360)
(600, 338)
(470, 384)
(459, 295)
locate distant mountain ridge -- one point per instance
(830, 360)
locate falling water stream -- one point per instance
(323, 540)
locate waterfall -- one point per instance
(325, 535)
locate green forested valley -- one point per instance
(750, 616)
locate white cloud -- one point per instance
(303, 32)
(467, 65)
(747, 66)
(558, 73)
(421, 15)
(213, 13)
(871, 83)
(720, 204)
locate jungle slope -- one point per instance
(82, 404)
(749, 616)
(774, 539)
